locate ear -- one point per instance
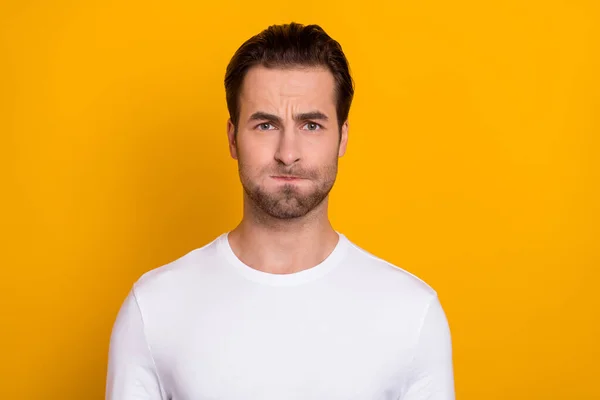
(343, 139)
(231, 139)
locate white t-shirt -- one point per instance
(207, 326)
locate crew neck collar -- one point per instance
(296, 278)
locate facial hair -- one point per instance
(288, 201)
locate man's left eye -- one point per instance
(312, 126)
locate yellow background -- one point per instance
(472, 162)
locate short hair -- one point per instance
(288, 46)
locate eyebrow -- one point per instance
(312, 115)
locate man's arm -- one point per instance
(131, 370)
(432, 376)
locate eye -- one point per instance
(265, 126)
(312, 126)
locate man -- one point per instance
(283, 306)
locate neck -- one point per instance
(283, 246)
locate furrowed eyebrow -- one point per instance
(313, 115)
(263, 116)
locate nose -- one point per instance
(288, 151)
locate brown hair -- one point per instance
(287, 46)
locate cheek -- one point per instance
(254, 159)
(323, 154)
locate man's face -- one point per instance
(288, 139)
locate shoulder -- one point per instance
(388, 277)
(174, 276)
(391, 293)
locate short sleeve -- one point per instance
(432, 376)
(131, 370)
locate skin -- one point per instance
(287, 127)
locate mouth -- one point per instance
(286, 178)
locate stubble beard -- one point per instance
(288, 201)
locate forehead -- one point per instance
(270, 89)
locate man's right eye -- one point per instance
(265, 126)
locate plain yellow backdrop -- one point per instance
(472, 162)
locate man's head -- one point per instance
(288, 92)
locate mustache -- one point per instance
(297, 172)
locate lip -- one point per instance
(286, 178)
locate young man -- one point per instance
(283, 306)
